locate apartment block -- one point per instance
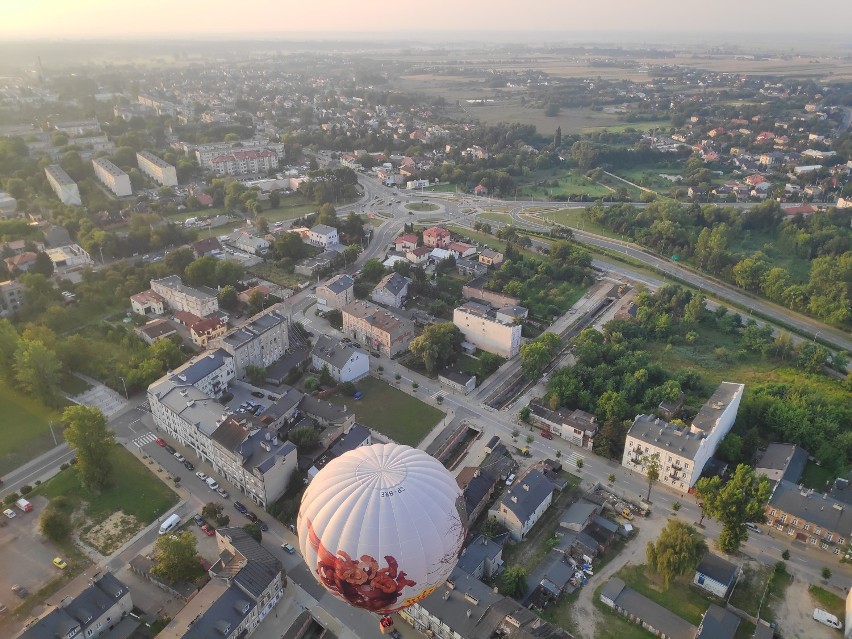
(245, 162)
(62, 184)
(481, 327)
(377, 328)
(201, 301)
(260, 342)
(683, 452)
(336, 292)
(11, 297)
(158, 170)
(112, 177)
(818, 520)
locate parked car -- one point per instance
(160, 442)
(3, 609)
(208, 530)
(257, 394)
(289, 549)
(250, 516)
(201, 476)
(22, 592)
(222, 492)
(199, 520)
(169, 449)
(188, 465)
(179, 457)
(240, 508)
(9, 513)
(262, 525)
(546, 434)
(59, 562)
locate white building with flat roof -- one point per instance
(480, 326)
(158, 170)
(66, 258)
(112, 177)
(62, 184)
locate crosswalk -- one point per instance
(142, 440)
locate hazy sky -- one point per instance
(74, 19)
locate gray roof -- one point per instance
(350, 440)
(717, 568)
(323, 410)
(227, 612)
(456, 375)
(648, 611)
(393, 283)
(718, 623)
(710, 412)
(175, 283)
(513, 311)
(451, 605)
(788, 458)
(817, 508)
(653, 430)
(527, 494)
(200, 367)
(339, 283)
(479, 486)
(477, 552)
(763, 631)
(261, 566)
(284, 404)
(190, 403)
(85, 609)
(334, 352)
(578, 514)
(323, 229)
(259, 324)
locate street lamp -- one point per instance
(125, 387)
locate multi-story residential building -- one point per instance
(260, 342)
(354, 436)
(112, 177)
(336, 292)
(524, 503)
(206, 153)
(95, 611)
(323, 235)
(158, 170)
(683, 452)
(406, 242)
(207, 329)
(201, 301)
(252, 459)
(809, 517)
(75, 129)
(247, 241)
(66, 258)
(245, 162)
(480, 326)
(577, 426)
(62, 184)
(782, 462)
(147, 302)
(8, 204)
(477, 290)
(162, 107)
(378, 328)
(436, 237)
(345, 362)
(11, 297)
(391, 290)
(246, 583)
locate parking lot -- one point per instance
(26, 558)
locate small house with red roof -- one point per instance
(436, 237)
(406, 242)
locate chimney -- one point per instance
(527, 487)
(514, 499)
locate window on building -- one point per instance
(795, 521)
(814, 540)
(829, 537)
(772, 513)
(807, 526)
(784, 518)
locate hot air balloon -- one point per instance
(381, 527)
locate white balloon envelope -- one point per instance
(382, 526)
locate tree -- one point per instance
(552, 109)
(651, 464)
(212, 510)
(676, 552)
(325, 377)
(202, 272)
(739, 501)
(178, 260)
(372, 271)
(254, 532)
(42, 265)
(262, 225)
(537, 353)
(38, 370)
(92, 441)
(256, 302)
(228, 298)
(306, 436)
(175, 557)
(438, 346)
(513, 582)
(8, 347)
(228, 273)
(256, 374)
(557, 138)
(826, 573)
(490, 528)
(55, 524)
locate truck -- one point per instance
(24, 505)
(823, 616)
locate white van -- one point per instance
(212, 483)
(823, 616)
(170, 524)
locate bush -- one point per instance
(311, 384)
(826, 573)
(226, 397)
(38, 482)
(397, 377)
(785, 555)
(25, 490)
(348, 389)
(55, 525)
(10, 499)
(63, 467)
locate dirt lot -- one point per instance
(795, 615)
(26, 558)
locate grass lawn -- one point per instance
(680, 598)
(489, 240)
(779, 251)
(817, 477)
(291, 207)
(471, 365)
(442, 188)
(827, 601)
(576, 219)
(505, 218)
(750, 588)
(559, 182)
(629, 126)
(391, 411)
(422, 206)
(135, 491)
(24, 429)
(276, 275)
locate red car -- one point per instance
(160, 442)
(208, 530)
(546, 434)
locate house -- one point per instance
(21, 261)
(246, 240)
(461, 249)
(391, 290)
(101, 607)
(354, 436)
(437, 255)
(478, 484)
(336, 292)
(418, 255)
(523, 504)
(155, 329)
(377, 328)
(11, 297)
(436, 237)
(649, 614)
(261, 341)
(310, 266)
(715, 575)
(244, 297)
(718, 623)
(480, 326)
(782, 462)
(812, 518)
(206, 246)
(481, 558)
(345, 362)
(470, 267)
(490, 258)
(579, 515)
(406, 242)
(246, 584)
(147, 302)
(577, 427)
(683, 453)
(323, 235)
(457, 380)
(204, 330)
(185, 318)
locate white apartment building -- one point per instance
(245, 162)
(683, 453)
(11, 297)
(112, 177)
(75, 129)
(249, 242)
(323, 235)
(158, 170)
(260, 342)
(377, 328)
(66, 258)
(480, 326)
(205, 153)
(62, 184)
(345, 362)
(147, 302)
(201, 301)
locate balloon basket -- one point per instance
(386, 625)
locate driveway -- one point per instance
(794, 615)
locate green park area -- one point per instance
(577, 219)
(548, 183)
(24, 429)
(390, 411)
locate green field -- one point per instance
(504, 218)
(568, 183)
(24, 429)
(576, 219)
(403, 418)
(276, 275)
(135, 490)
(628, 126)
(680, 598)
(649, 177)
